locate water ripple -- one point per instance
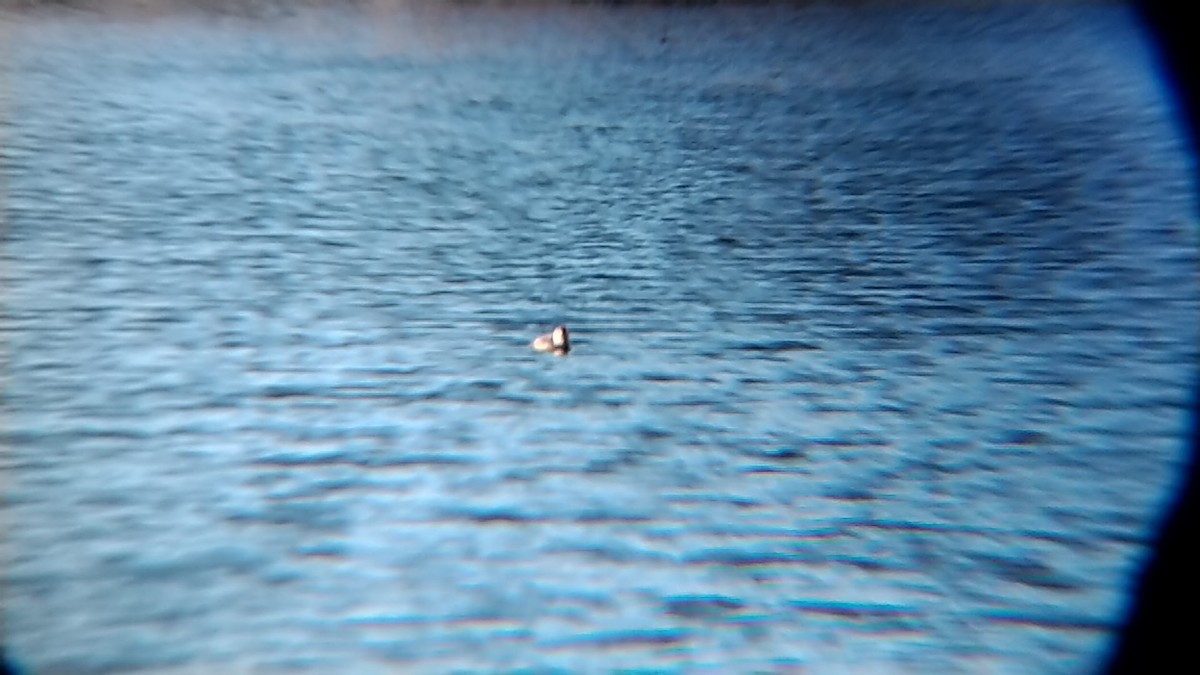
(881, 328)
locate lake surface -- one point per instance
(885, 328)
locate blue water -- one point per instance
(884, 326)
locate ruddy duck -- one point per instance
(556, 341)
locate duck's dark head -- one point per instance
(561, 339)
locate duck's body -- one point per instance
(557, 342)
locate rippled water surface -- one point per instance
(884, 326)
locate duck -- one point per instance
(557, 342)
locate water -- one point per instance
(884, 322)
